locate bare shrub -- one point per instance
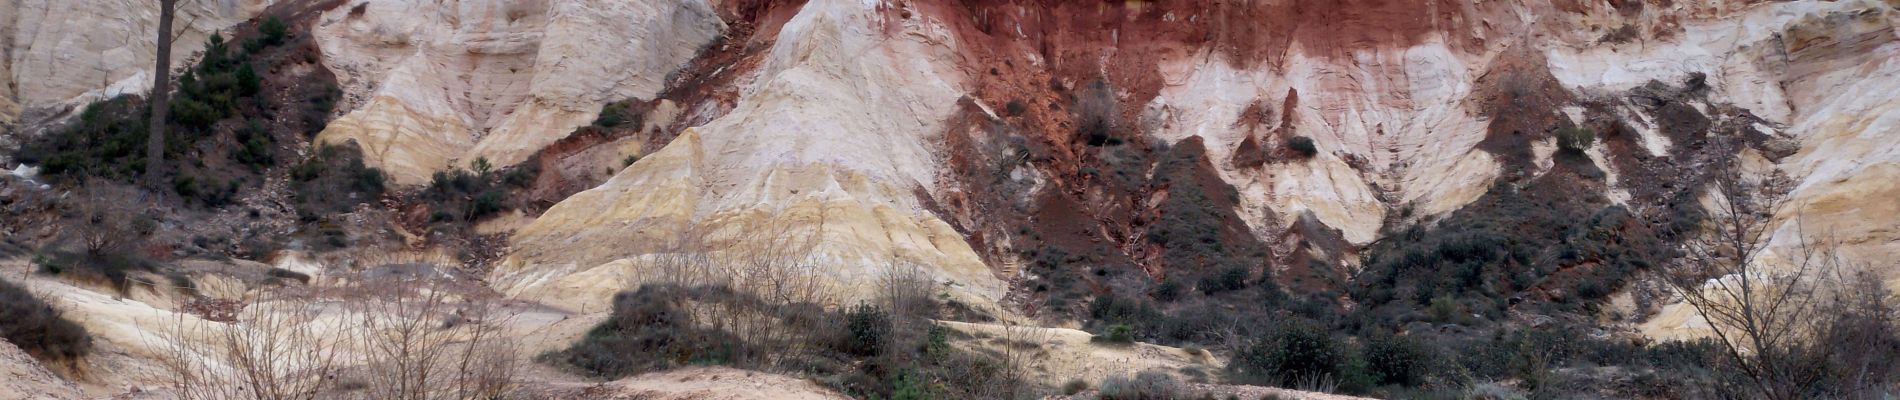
(41, 330)
(420, 344)
(908, 292)
(1022, 348)
(1146, 385)
(398, 339)
(107, 219)
(1795, 323)
(272, 351)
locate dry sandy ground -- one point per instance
(23, 378)
(694, 383)
(1060, 355)
(1224, 391)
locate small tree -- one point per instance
(868, 330)
(161, 93)
(274, 30)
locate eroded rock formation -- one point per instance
(437, 85)
(970, 138)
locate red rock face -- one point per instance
(1055, 146)
(1034, 63)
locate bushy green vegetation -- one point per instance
(1575, 139)
(649, 330)
(866, 350)
(220, 128)
(471, 194)
(1395, 360)
(1117, 333)
(619, 114)
(1291, 353)
(272, 31)
(333, 181)
(1303, 146)
(106, 141)
(212, 91)
(868, 330)
(1227, 279)
(1511, 241)
(254, 149)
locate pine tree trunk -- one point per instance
(160, 96)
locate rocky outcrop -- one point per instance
(1414, 116)
(830, 141)
(848, 124)
(1821, 74)
(61, 54)
(437, 85)
(23, 378)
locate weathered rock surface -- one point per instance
(695, 383)
(1822, 73)
(23, 378)
(439, 85)
(831, 140)
(65, 53)
(837, 135)
(840, 126)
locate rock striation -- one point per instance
(437, 85)
(61, 54)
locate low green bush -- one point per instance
(1575, 140)
(868, 330)
(1394, 360)
(1118, 333)
(1291, 353)
(1227, 279)
(649, 329)
(471, 194)
(1303, 146)
(272, 31)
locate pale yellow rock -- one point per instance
(65, 53)
(1053, 356)
(447, 83)
(696, 383)
(23, 378)
(830, 144)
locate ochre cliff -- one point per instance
(964, 136)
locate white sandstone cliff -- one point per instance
(436, 85)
